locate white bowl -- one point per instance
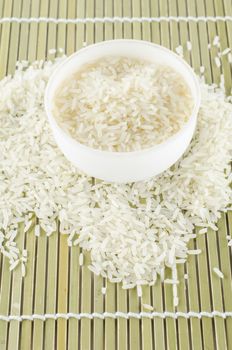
(123, 167)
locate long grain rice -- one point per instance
(218, 272)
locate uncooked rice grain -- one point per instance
(202, 69)
(148, 307)
(51, 51)
(37, 230)
(189, 45)
(81, 259)
(122, 104)
(171, 281)
(23, 270)
(229, 57)
(27, 226)
(36, 178)
(218, 272)
(14, 264)
(216, 40)
(179, 50)
(24, 253)
(103, 290)
(226, 51)
(139, 291)
(194, 251)
(202, 231)
(217, 61)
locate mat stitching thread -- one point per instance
(114, 19)
(118, 314)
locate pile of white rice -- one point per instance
(133, 231)
(123, 104)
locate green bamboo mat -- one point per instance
(55, 283)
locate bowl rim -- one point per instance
(169, 140)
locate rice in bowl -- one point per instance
(122, 104)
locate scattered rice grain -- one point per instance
(23, 270)
(202, 231)
(229, 56)
(217, 61)
(179, 50)
(14, 264)
(202, 69)
(81, 259)
(51, 51)
(148, 307)
(103, 290)
(171, 281)
(216, 40)
(189, 45)
(27, 226)
(218, 272)
(37, 230)
(226, 51)
(194, 251)
(139, 291)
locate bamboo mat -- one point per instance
(55, 283)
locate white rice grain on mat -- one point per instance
(103, 290)
(139, 291)
(24, 253)
(218, 272)
(189, 45)
(194, 251)
(27, 225)
(226, 51)
(171, 281)
(229, 57)
(202, 231)
(134, 240)
(51, 51)
(37, 230)
(23, 270)
(148, 307)
(216, 40)
(14, 264)
(179, 50)
(217, 61)
(81, 259)
(175, 301)
(202, 69)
